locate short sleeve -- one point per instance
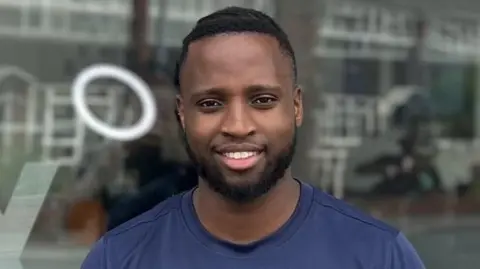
(96, 257)
(402, 255)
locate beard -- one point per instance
(210, 171)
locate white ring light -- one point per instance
(147, 100)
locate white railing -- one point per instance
(193, 10)
(42, 114)
(65, 130)
(365, 30)
(10, 126)
(342, 122)
(105, 22)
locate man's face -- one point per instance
(239, 111)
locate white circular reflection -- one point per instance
(99, 71)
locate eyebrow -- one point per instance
(198, 94)
(218, 91)
(263, 88)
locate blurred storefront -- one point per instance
(392, 113)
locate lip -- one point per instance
(244, 147)
(240, 164)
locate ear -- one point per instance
(298, 105)
(180, 111)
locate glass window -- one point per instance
(399, 72)
(452, 87)
(118, 26)
(34, 18)
(80, 22)
(392, 115)
(10, 17)
(105, 27)
(361, 76)
(175, 31)
(58, 20)
(176, 5)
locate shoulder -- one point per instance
(128, 237)
(144, 221)
(357, 233)
(348, 217)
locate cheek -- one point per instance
(284, 132)
(280, 132)
(200, 131)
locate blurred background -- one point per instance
(393, 117)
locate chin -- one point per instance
(242, 179)
(242, 193)
(241, 188)
(242, 183)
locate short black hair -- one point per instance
(235, 20)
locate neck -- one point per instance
(246, 222)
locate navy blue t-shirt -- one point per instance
(323, 232)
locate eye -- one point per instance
(264, 101)
(209, 105)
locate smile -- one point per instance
(241, 160)
(240, 155)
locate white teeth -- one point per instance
(240, 155)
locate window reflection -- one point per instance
(395, 130)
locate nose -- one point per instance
(238, 121)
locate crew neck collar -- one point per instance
(285, 232)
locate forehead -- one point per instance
(234, 60)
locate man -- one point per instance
(240, 106)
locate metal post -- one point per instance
(301, 23)
(415, 62)
(139, 42)
(162, 55)
(141, 51)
